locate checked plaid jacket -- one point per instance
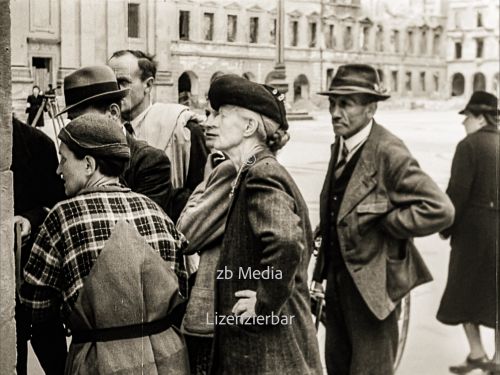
(72, 236)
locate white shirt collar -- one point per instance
(353, 142)
(137, 121)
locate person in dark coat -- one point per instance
(95, 89)
(262, 321)
(37, 188)
(375, 199)
(35, 101)
(471, 294)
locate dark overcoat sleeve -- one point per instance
(461, 179)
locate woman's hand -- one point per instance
(245, 307)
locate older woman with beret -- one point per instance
(262, 320)
(471, 295)
(109, 260)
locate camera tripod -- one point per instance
(51, 105)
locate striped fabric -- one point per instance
(72, 237)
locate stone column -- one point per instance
(7, 274)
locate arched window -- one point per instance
(300, 88)
(187, 88)
(479, 82)
(457, 84)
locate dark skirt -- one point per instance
(200, 354)
(472, 293)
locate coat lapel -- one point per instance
(362, 180)
(325, 192)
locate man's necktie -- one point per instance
(339, 167)
(129, 128)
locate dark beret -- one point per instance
(96, 135)
(231, 89)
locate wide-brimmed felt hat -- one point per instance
(89, 84)
(481, 102)
(231, 89)
(356, 79)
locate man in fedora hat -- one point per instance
(374, 200)
(95, 89)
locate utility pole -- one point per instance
(279, 73)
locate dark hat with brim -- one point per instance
(92, 83)
(481, 102)
(356, 79)
(231, 89)
(96, 134)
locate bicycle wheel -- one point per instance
(403, 324)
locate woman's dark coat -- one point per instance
(35, 102)
(471, 293)
(267, 226)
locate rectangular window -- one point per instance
(395, 40)
(423, 42)
(479, 47)
(254, 29)
(295, 33)
(394, 81)
(232, 22)
(458, 50)
(330, 37)
(312, 34)
(436, 44)
(364, 38)
(457, 19)
(272, 32)
(184, 25)
(408, 81)
(409, 41)
(329, 76)
(133, 20)
(436, 82)
(479, 19)
(422, 82)
(348, 38)
(208, 26)
(380, 38)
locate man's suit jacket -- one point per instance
(148, 172)
(388, 201)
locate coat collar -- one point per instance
(110, 188)
(362, 180)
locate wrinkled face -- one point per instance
(211, 129)
(473, 123)
(72, 170)
(230, 126)
(349, 115)
(128, 75)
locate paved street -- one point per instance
(431, 136)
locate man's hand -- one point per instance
(245, 307)
(25, 227)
